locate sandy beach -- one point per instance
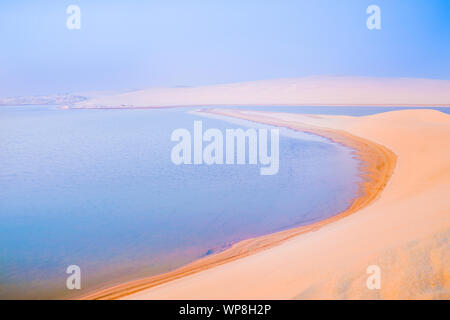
(401, 223)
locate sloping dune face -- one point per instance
(296, 91)
(404, 232)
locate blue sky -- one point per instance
(135, 44)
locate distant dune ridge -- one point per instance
(317, 90)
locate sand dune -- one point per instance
(405, 231)
(317, 90)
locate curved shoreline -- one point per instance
(378, 164)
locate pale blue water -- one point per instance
(97, 188)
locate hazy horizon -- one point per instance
(132, 45)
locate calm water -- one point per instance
(97, 188)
